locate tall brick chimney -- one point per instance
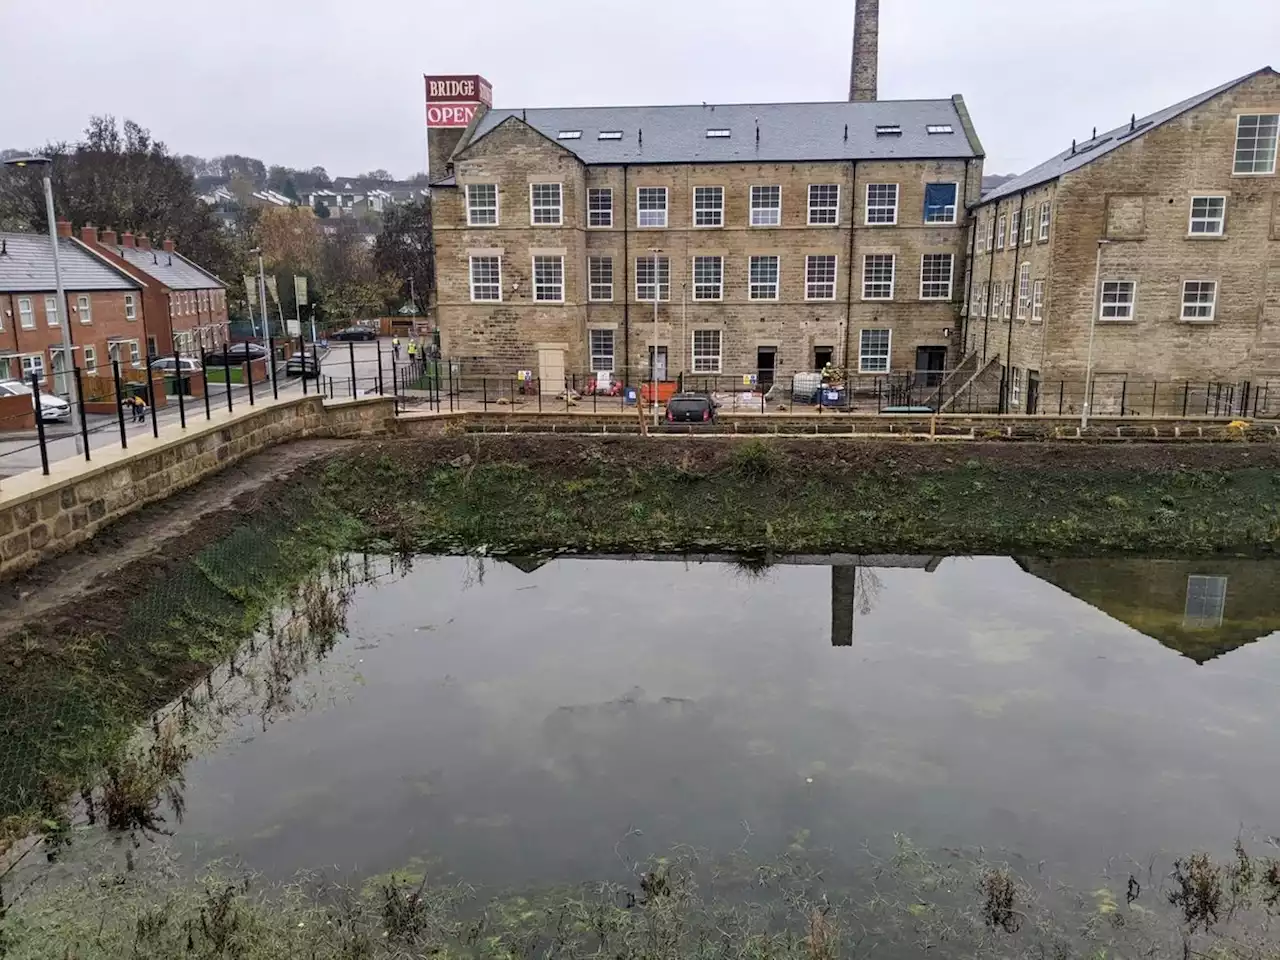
(126, 239)
(64, 228)
(88, 233)
(168, 245)
(108, 237)
(864, 69)
(143, 241)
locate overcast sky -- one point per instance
(306, 82)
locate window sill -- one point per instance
(1206, 236)
(894, 224)
(877, 299)
(1116, 321)
(1198, 321)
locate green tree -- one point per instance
(320, 210)
(405, 249)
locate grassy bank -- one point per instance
(525, 494)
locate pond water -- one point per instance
(525, 722)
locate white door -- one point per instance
(61, 376)
(661, 372)
(550, 370)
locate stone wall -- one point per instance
(41, 517)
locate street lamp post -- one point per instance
(1093, 324)
(45, 166)
(266, 318)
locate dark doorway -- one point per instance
(662, 364)
(930, 362)
(822, 356)
(1033, 391)
(766, 363)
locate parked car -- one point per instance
(168, 364)
(691, 408)
(235, 353)
(52, 409)
(355, 333)
(302, 365)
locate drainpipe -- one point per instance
(1013, 310)
(968, 296)
(991, 270)
(848, 287)
(1093, 325)
(626, 285)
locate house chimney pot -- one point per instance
(127, 239)
(143, 241)
(168, 245)
(107, 237)
(88, 233)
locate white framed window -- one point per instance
(569, 135)
(1015, 386)
(1199, 299)
(873, 350)
(766, 206)
(940, 202)
(653, 272)
(1024, 291)
(601, 350)
(1206, 602)
(935, 276)
(979, 234)
(600, 207)
(882, 204)
(1028, 229)
(651, 206)
(600, 279)
(609, 135)
(486, 278)
(991, 234)
(763, 278)
(1000, 232)
(546, 204)
(1208, 216)
(33, 363)
(1118, 298)
(135, 351)
(482, 204)
(820, 277)
(113, 351)
(51, 311)
(980, 304)
(1008, 300)
(90, 360)
(1256, 136)
(706, 351)
(548, 279)
(708, 278)
(824, 204)
(84, 308)
(877, 276)
(1044, 221)
(708, 206)
(1013, 228)
(130, 306)
(1037, 301)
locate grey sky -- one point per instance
(304, 82)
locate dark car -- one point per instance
(691, 408)
(302, 365)
(355, 333)
(235, 353)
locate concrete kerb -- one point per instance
(41, 516)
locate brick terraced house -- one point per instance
(1164, 231)
(103, 302)
(774, 237)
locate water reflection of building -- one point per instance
(855, 586)
(1200, 608)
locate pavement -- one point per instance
(20, 450)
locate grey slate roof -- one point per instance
(789, 132)
(173, 270)
(1090, 150)
(27, 266)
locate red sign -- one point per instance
(450, 114)
(464, 88)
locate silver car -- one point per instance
(52, 409)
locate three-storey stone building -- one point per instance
(774, 238)
(1158, 242)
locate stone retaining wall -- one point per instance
(43, 516)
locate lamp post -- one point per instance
(45, 166)
(1093, 324)
(266, 320)
(653, 364)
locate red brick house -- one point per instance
(104, 303)
(186, 305)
